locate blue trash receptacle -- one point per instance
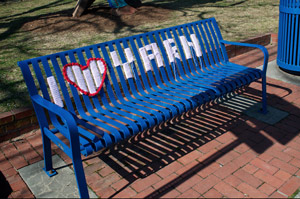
(288, 53)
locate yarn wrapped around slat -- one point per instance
(87, 79)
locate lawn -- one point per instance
(30, 28)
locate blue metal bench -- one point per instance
(151, 78)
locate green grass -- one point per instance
(238, 19)
(294, 194)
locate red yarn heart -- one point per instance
(65, 74)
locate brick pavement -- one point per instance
(216, 152)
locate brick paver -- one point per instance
(278, 195)
(248, 178)
(237, 156)
(228, 191)
(251, 191)
(290, 186)
(142, 184)
(267, 189)
(264, 166)
(226, 170)
(206, 184)
(212, 193)
(266, 177)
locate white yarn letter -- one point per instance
(145, 59)
(115, 58)
(79, 78)
(55, 91)
(101, 66)
(127, 70)
(175, 52)
(89, 80)
(169, 50)
(157, 55)
(129, 55)
(185, 47)
(70, 74)
(95, 73)
(148, 47)
(196, 45)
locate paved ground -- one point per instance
(58, 186)
(220, 151)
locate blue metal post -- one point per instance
(288, 53)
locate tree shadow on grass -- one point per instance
(19, 19)
(94, 15)
(11, 91)
(179, 5)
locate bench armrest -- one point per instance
(262, 48)
(66, 116)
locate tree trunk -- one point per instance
(81, 6)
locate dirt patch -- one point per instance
(96, 19)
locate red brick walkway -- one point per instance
(216, 153)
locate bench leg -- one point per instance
(48, 166)
(77, 164)
(264, 95)
(80, 177)
(75, 152)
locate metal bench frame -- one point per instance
(162, 83)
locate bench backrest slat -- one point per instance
(160, 37)
(62, 84)
(219, 37)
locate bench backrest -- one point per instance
(137, 61)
